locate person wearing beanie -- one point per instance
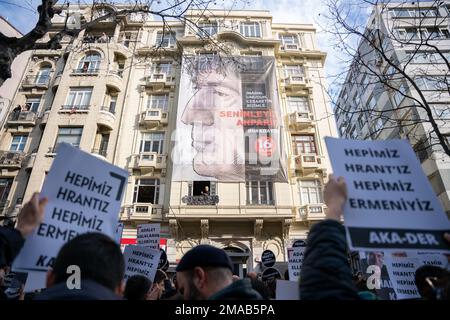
(206, 272)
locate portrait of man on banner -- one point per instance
(229, 121)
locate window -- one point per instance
(33, 104)
(152, 142)
(310, 192)
(441, 111)
(250, 29)
(112, 104)
(259, 192)
(90, 63)
(207, 29)
(303, 144)
(288, 39)
(166, 41)
(293, 70)
(146, 191)
(298, 104)
(400, 94)
(43, 76)
(200, 188)
(162, 68)
(414, 13)
(159, 101)
(18, 142)
(70, 135)
(79, 98)
(372, 103)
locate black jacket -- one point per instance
(90, 290)
(238, 290)
(326, 273)
(11, 242)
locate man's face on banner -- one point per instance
(219, 142)
(376, 258)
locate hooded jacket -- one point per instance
(11, 242)
(326, 273)
(238, 290)
(90, 290)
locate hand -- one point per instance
(31, 215)
(447, 237)
(154, 294)
(335, 196)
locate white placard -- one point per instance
(295, 261)
(84, 195)
(141, 260)
(118, 233)
(148, 235)
(391, 205)
(287, 290)
(402, 270)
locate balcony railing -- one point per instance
(100, 151)
(73, 109)
(118, 73)
(97, 39)
(23, 117)
(36, 81)
(108, 109)
(312, 212)
(86, 71)
(11, 159)
(203, 200)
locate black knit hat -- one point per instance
(204, 256)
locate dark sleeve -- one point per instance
(326, 273)
(11, 241)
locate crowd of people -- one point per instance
(205, 272)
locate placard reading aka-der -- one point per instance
(84, 195)
(391, 204)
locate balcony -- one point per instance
(85, 72)
(100, 153)
(159, 80)
(296, 81)
(97, 39)
(311, 212)
(106, 117)
(308, 162)
(301, 120)
(141, 211)
(30, 161)
(114, 79)
(202, 200)
(36, 81)
(24, 118)
(75, 109)
(150, 160)
(154, 117)
(11, 159)
(290, 47)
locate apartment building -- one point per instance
(403, 26)
(120, 91)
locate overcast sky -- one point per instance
(22, 14)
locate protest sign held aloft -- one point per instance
(391, 204)
(295, 261)
(270, 274)
(84, 195)
(141, 260)
(118, 233)
(148, 235)
(268, 258)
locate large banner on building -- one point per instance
(229, 124)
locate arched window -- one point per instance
(43, 76)
(90, 63)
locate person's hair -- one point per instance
(427, 271)
(261, 287)
(160, 276)
(98, 257)
(137, 287)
